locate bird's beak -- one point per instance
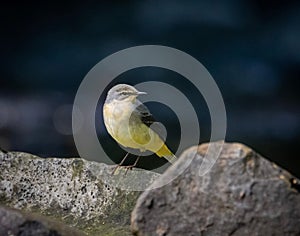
(141, 93)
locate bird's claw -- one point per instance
(125, 167)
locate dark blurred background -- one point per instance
(251, 48)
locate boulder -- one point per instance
(14, 222)
(71, 190)
(242, 194)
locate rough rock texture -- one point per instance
(14, 222)
(69, 189)
(243, 194)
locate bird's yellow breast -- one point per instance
(128, 129)
(116, 119)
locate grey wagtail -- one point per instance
(129, 122)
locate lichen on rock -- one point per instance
(72, 190)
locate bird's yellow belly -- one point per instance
(136, 135)
(119, 130)
(116, 120)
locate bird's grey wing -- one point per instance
(145, 115)
(147, 118)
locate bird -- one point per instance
(130, 123)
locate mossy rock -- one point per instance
(70, 190)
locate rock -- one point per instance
(71, 190)
(14, 222)
(243, 194)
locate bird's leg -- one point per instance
(120, 164)
(131, 166)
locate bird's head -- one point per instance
(122, 92)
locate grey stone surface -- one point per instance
(14, 222)
(243, 194)
(71, 190)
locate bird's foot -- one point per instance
(115, 169)
(126, 167)
(130, 167)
